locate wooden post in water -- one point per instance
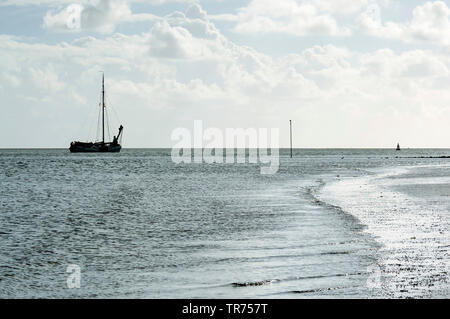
(290, 132)
(103, 108)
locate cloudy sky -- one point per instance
(349, 73)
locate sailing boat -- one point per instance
(398, 147)
(90, 147)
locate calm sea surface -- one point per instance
(330, 223)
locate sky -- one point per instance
(348, 73)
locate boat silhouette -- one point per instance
(102, 146)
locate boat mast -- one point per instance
(290, 133)
(103, 108)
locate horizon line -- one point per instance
(280, 148)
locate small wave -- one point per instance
(325, 276)
(311, 191)
(271, 281)
(336, 253)
(254, 283)
(307, 291)
(287, 256)
(21, 164)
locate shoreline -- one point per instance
(408, 227)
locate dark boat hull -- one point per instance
(80, 147)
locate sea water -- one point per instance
(329, 223)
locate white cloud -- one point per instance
(290, 16)
(187, 35)
(171, 42)
(68, 19)
(430, 23)
(286, 16)
(46, 79)
(195, 21)
(341, 6)
(102, 16)
(12, 79)
(38, 2)
(57, 3)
